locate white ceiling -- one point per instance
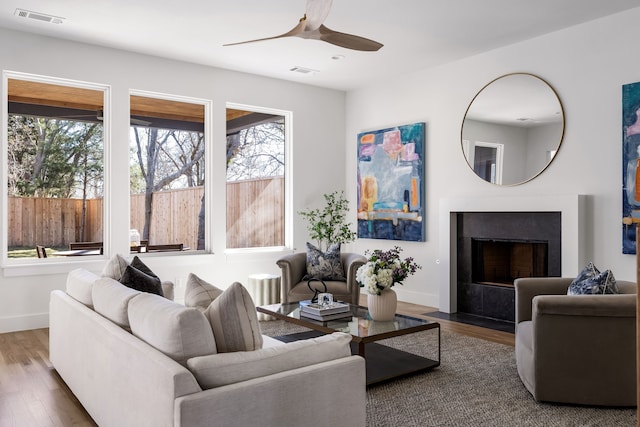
(416, 34)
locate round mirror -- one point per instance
(512, 129)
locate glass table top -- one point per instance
(359, 324)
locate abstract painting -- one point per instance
(390, 183)
(630, 166)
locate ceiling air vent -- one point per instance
(39, 16)
(303, 70)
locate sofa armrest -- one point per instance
(284, 398)
(618, 305)
(294, 267)
(351, 262)
(168, 290)
(527, 288)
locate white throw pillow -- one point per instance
(179, 332)
(230, 368)
(199, 293)
(115, 267)
(111, 299)
(80, 284)
(234, 320)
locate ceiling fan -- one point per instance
(311, 26)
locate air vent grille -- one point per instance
(22, 13)
(303, 70)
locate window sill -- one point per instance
(40, 267)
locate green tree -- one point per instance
(54, 158)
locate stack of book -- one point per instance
(337, 310)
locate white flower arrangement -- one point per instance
(384, 269)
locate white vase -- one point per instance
(382, 307)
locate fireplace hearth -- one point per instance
(495, 248)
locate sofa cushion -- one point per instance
(234, 320)
(115, 267)
(141, 281)
(177, 331)
(229, 368)
(199, 293)
(80, 284)
(111, 299)
(324, 265)
(589, 284)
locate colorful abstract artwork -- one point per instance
(390, 183)
(630, 166)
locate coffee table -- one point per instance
(383, 362)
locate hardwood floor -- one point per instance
(460, 328)
(33, 394)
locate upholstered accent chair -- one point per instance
(294, 285)
(578, 349)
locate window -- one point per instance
(167, 170)
(256, 167)
(54, 165)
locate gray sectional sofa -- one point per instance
(136, 359)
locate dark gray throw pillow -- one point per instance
(591, 281)
(141, 281)
(324, 265)
(137, 263)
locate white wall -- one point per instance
(586, 64)
(541, 140)
(317, 156)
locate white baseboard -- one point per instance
(23, 323)
(420, 298)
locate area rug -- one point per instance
(476, 385)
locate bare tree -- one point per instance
(165, 158)
(256, 152)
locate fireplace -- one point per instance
(500, 262)
(495, 248)
(570, 251)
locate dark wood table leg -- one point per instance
(361, 349)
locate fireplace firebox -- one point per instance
(494, 249)
(500, 262)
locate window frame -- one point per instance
(19, 265)
(288, 187)
(208, 165)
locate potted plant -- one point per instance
(328, 226)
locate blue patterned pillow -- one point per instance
(587, 272)
(601, 283)
(324, 265)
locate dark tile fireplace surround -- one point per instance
(494, 248)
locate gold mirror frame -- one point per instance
(512, 129)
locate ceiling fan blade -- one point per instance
(298, 29)
(345, 40)
(316, 13)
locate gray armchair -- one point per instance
(294, 288)
(578, 349)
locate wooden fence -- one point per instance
(255, 213)
(52, 222)
(254, 217)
